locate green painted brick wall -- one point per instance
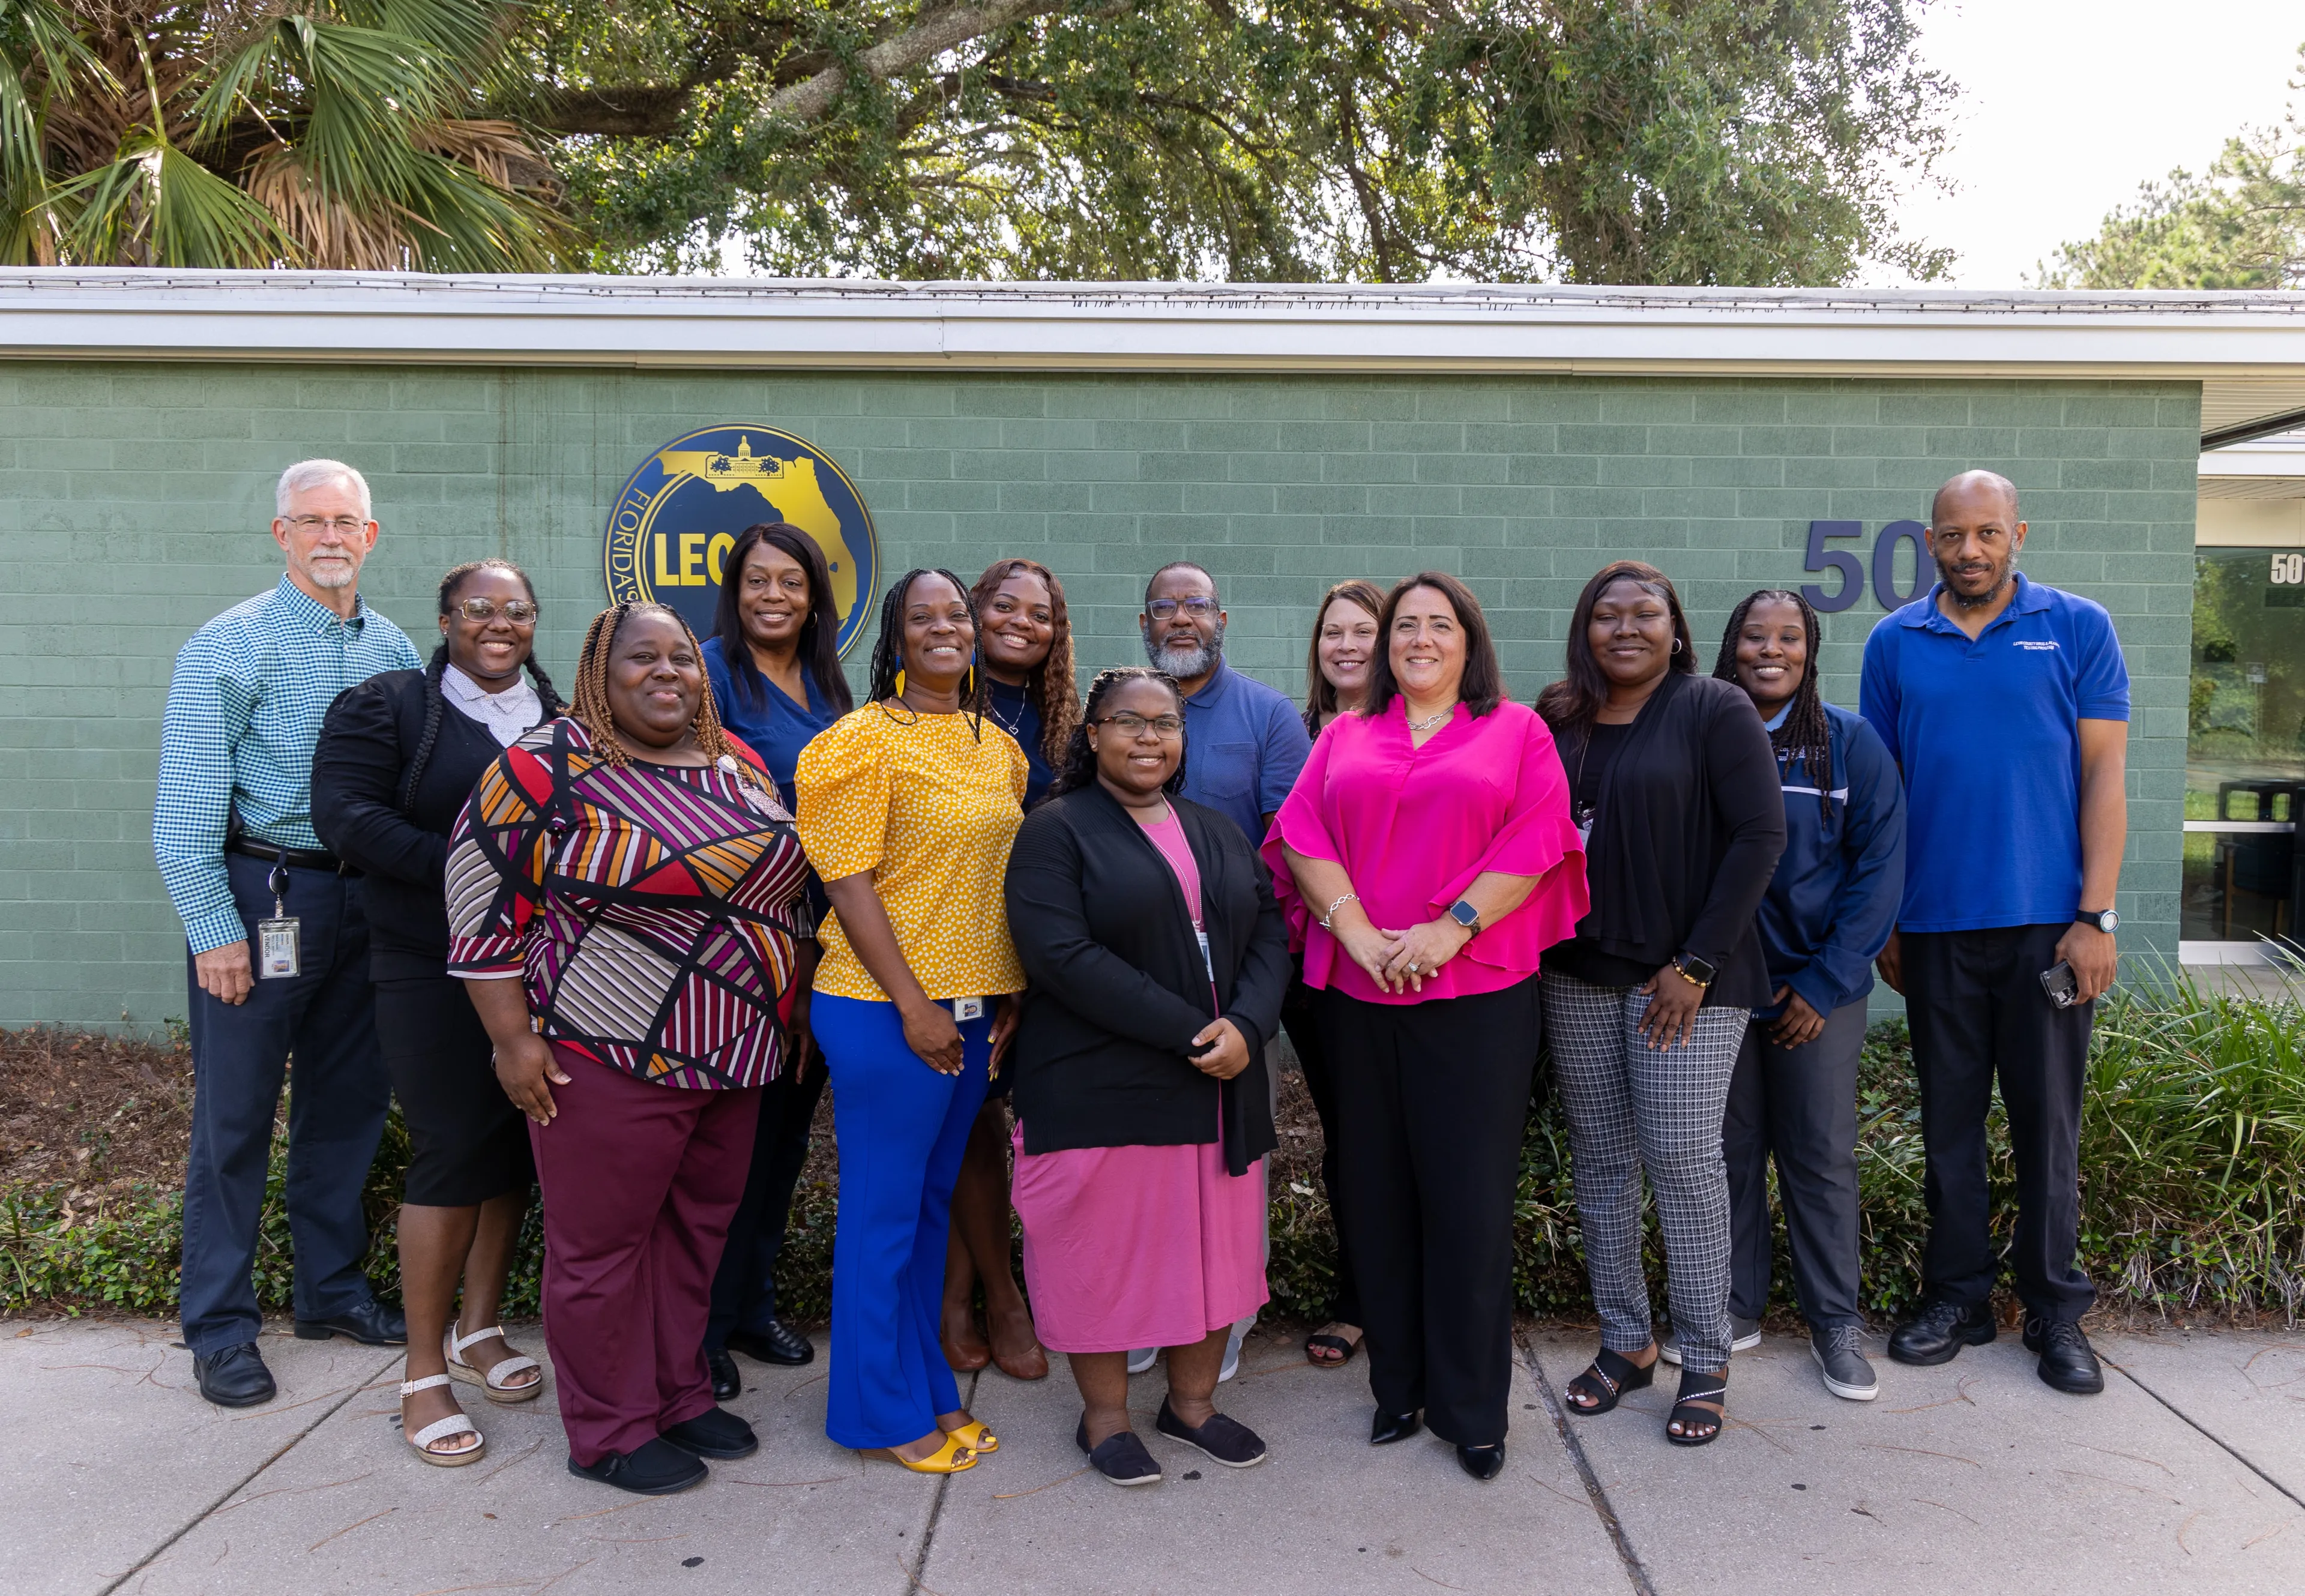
(135, 499)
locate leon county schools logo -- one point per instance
(679, 515)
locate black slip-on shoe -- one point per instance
(779, 1343)
(652, 1468)
(1388, 1428)
(371, 1324)
(1938, 1333)
(1839, 1355)
(1227, 1440)
(716, 1433)
(235, 1376)
(2068, 1363)
(1483, 1462)
(727, 1384)
(1120, 1457)
(1744, 1336)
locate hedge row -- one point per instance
(2192, 1153)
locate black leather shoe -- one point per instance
(1390, 1427)
(652, 1468)
(2067, 1362)
(234, 1377)
(726, 1383)
(779, 1343)
(1483, 1462)
(1939, 1333)
(716, 1433)
(371, 1324)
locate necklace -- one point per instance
(1014, 728)
(1430, 721)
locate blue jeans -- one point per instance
(902, 1127)
(327, 1017)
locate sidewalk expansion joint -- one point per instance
(936, 1505)
(2235, 1453)
(1605, 1510)
(246, 1481)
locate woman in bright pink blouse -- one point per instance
(1427, 858)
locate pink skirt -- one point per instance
(1127, 1247)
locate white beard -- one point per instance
(333, 574)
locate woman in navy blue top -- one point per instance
(775, 670)
(1025, 647)
(1828, 910)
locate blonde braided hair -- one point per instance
(592, 709)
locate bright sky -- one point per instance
(2066, 105)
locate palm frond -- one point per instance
(157, 206)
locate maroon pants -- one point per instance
(639, 1183)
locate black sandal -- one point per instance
(1608, 1377)
(1338, 1344)
(1702, 1400)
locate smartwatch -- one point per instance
(1692, 970)
(1466, 915)
(2104, 920)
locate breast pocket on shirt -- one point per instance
(1222, 769)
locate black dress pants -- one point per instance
(1299, 1016)
(745, 1285)
(1800, 1105)
(1977, 1013)
(1432, 1104)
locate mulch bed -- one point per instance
(103, 1112)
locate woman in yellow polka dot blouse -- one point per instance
(908, 808)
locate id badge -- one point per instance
(1206, 963)
(967, 1008)
(279, 947)
(1585, 837)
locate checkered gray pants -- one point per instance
(1633, 1107)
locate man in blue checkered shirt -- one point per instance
(276, 941)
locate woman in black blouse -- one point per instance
(397, 757)
(1673, 781)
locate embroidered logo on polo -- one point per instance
(677, 516)
(2036, 646)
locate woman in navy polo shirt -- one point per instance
(774, 663)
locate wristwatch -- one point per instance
(2104, 920)
(1466, 915)
(1692, 970)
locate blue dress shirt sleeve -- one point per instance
(208, 708)
(1286, 746)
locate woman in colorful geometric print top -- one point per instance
(625, 897)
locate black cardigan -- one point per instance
(1686, 836)
(1118, 989)
(366, 744)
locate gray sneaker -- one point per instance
(1840, 1353)
(1142, 1358)
(1744, 1336)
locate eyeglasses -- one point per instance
(1165, 609)
(520, 612)
(1133, 725)
(350, 526)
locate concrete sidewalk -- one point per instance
(2187, 1476)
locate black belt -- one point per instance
(302, 858)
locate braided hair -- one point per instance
(1048, 684)
(889, 647)
(1804, 735)
(593, 712)
(1077, 770)
(437, 667)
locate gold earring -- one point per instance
(900, 682)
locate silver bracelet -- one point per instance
(1350, 897)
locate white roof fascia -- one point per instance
(751, 323)
(2282, 455)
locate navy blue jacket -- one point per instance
(1832, 903)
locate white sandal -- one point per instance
(492, 1383)
(455, 1423)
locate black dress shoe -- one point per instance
(234, 1377)
(1390, 1427)
(726, 1383)
(1939, 1333)
(1483, 1462)
(371, 1324)
(779, 1343)
(652, 1468)
(716, 1433)
(2067, 1362)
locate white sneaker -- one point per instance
(1744, 1336)
(1142, 1359)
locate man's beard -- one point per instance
(332, 573)
(1186, 661)
(1979, 601)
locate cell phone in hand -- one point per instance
(2059, 983)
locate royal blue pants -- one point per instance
(902, 1128)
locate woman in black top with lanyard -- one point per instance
(1673, 781)
(397, 757)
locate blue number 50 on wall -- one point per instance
(1852, 571)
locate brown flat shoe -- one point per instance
(965, 1354)
(1026, 1362)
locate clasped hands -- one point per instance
(1399, 960)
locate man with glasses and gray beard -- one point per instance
(276, 942)
(1245, 742)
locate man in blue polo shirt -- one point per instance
(2006, 704)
